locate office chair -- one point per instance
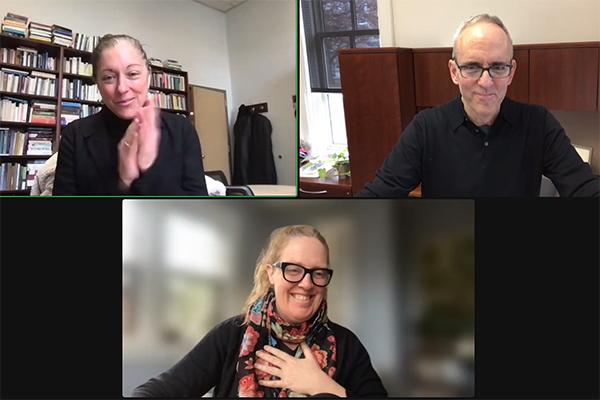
(218, 175)
(233, 190)
(238, 190)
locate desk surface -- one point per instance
(273, 190)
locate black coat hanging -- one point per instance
(253, 161)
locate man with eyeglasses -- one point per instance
(483, 144)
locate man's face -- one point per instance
(483, 44)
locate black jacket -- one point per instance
(212, 364)
(451, 157)
(253, 151)
(88, 159)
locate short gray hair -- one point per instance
(492, 19)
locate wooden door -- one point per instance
(210, 118)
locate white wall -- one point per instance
(431, 23)
(262, 52)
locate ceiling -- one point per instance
(221, 5)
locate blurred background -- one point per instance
(403, 282)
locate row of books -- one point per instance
(20, 26)
(170, 101)
(15, 25)
(77, 89)
(28, 57)
(71, 111)
(15, 176)
(168, 81)
(85, 42)
(173, 64)
(33, 141)
(12, 142)
(62, 36)
(36, 83)
(41, 32)
(74, 65)
(42, 113)
(19, 110)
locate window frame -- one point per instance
(315, 35)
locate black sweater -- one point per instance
(451, 157)
(88, 159)
(211, 363)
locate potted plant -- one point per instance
(341, 162)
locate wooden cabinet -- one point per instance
(433, 84)
(519, 88)
(561, 76)
(564, 76)
(379, 102)
(333, 187)
(383, 88)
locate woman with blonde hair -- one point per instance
(284, 344)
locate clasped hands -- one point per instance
(301, 375)
(138, 148)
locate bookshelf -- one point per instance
(74, 95)
(172, 87)
(29, 71)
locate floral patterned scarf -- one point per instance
(264, 327)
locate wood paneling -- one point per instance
(379, 102)
(564, 78)
(519, 88)
(433, 84)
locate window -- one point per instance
(330, 25)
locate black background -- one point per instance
(537, 301)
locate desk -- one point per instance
(329, 187)
(273, 190)
(334, 187)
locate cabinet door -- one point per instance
(564, 78)
(433, 84)
(519, 88)
(379, 102)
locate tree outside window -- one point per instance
(330, 25)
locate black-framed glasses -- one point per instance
(294, 273)
(475, 71)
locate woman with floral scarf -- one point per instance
(284, 344)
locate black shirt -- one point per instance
(452, 157)
(213, 361)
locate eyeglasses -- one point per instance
(295, 273)
(475, 71)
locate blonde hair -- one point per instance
(270, 254)
(490, 19)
